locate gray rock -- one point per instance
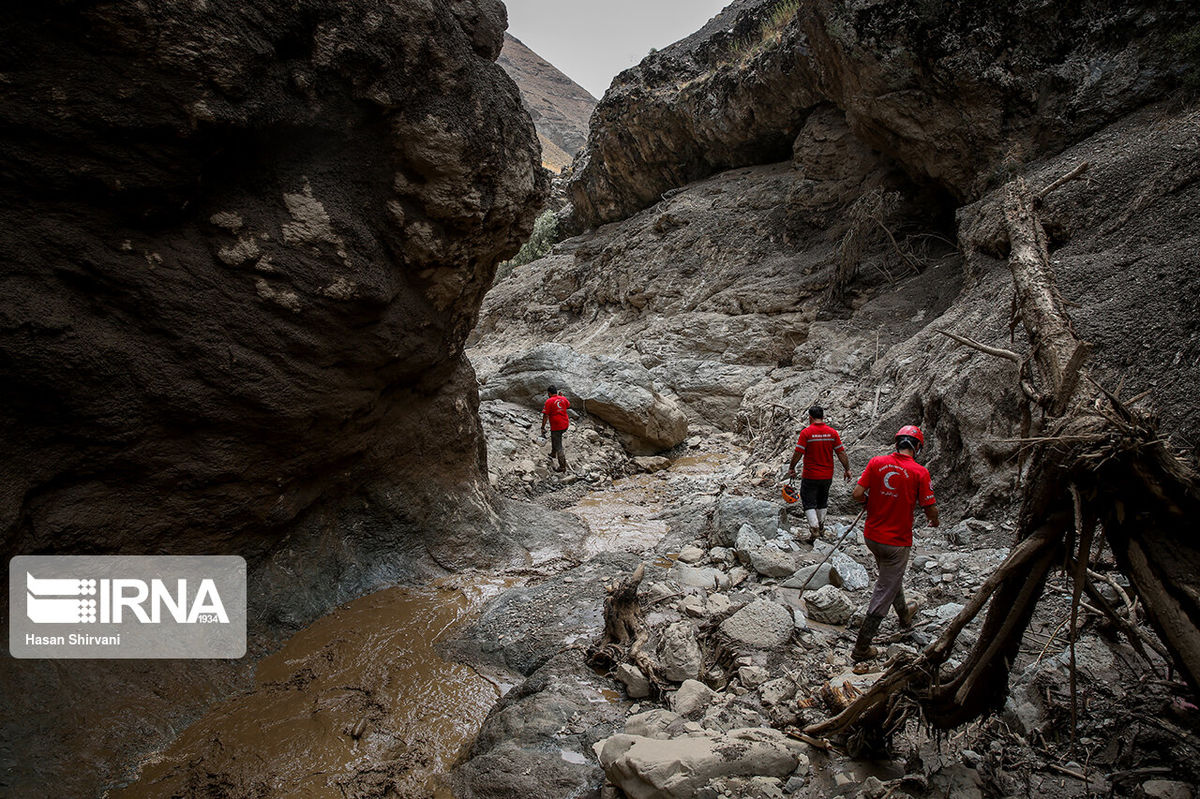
(760, 625)
(712, 389)
(692, 699)
(733, 511)
(752, 676)
(679, 652)
(646, 768)
(825, 574)
(948, 611)
(734, 714)
(699, 577)
(771, 562)
(718, 604)
(855, 576)
(743, 788)
(829, 605)
(777, 690)
(657, 723)
(651, 463)
(691, 554)
(748, 540)
(1166, 789)
(636, 684)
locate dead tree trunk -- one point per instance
(625, 633)
(1102, 465)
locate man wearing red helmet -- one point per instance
(892, 486)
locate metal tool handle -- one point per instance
(829, 554)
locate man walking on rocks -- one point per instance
(555, 412)
(817, 444)
(892, 486)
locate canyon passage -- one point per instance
(290, 281)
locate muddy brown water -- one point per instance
(357, 700)
(360, 701)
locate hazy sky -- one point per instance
(590, 41)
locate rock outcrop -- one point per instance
(245, 245)
(958, 94)
(622, 394)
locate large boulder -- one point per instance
(622, 394)
(649, 768)
(245, 246)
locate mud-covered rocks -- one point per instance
(761, 625)
(734, 510)
(692, 699)
(648, 768)
(829, 605)
(814, 576)
(700, 577)
(679, 652)
(622, 394)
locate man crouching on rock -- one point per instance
(892, 486)
(555, 412)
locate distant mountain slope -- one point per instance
(559, 106)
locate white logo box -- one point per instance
(127, 606)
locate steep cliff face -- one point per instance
(559, 106)
(244, 245)
(959, 94)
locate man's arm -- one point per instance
(545, 418)
(841, 453)
(795, 459)
(931, 515)
(860, 493)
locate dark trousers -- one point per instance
(814, 493)
(556, 448)
(892, 562)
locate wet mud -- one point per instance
(355, 705)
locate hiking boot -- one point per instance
(862, 647)
(813, 534)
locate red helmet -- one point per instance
(913, 432)
(790, 495)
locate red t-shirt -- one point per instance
(818, 442)
(556, 409)
(895, 485)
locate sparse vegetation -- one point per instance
(769, 32)
(543, 237)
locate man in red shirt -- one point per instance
(555, 412)
(892, 486)
(817, 444)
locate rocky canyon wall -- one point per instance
(759, 290)
(959, 94)
(243, 246)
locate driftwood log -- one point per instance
(1096, 466)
